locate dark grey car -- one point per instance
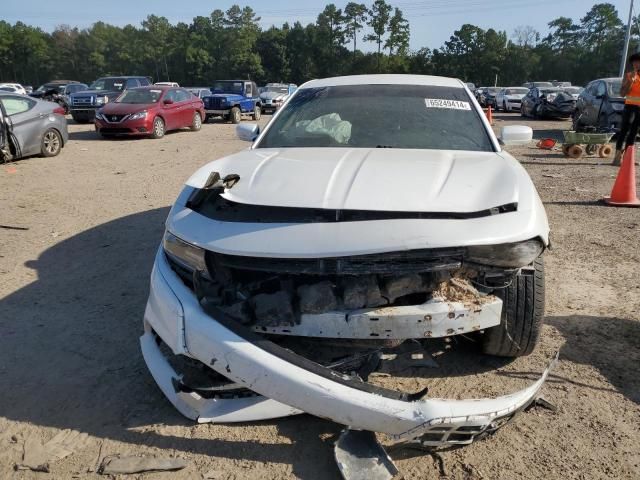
(35, 127)
(599, 106)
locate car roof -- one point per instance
(123, 76)
(154, 87)
(385, 79)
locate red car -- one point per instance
(150, 111)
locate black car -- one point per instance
(547, 102)
(58, 91)
(488, 96)
(83, 105)
(599, 106)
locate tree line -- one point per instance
(231, 44)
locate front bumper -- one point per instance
(286, 386)
(216, 112)
(142, 126)
(550, 110)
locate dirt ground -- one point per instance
(74, 283)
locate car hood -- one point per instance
(99, 93)
(273, 96)
(125, 108)
(229, 96)
(370, 179)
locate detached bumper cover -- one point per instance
(288, 384)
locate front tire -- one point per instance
(522, 316)
(235, 116)
(257, 112)
(196, 123)
(158, 128)
(504, 106)
(51, 143)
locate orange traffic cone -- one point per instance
(624, 189)
(490, 115)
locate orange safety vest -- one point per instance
(633, 96)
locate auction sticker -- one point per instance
(449, 104)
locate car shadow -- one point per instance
(69, 352)
(611, 345)
(83, 135)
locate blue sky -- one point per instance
(432, 22)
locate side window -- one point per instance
(131, 83)
(171, 95)
(601, 89)
(591, 88)
(15, 105)
(248, 91)
(144, 81)
(255, 90)
(182, 96)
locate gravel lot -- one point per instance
(73, 286)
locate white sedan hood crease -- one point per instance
(370, 179)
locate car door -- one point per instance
(171, 110)
(600, 94)
(582, 102)
(247, 102)
(25, 121)
(591, 106)
(185, 107)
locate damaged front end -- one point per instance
(234, 338)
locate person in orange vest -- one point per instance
(631, 114)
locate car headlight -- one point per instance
(99, 115)
(138, 115)
(102, 100)
(186, 255)
(551, 97)
(617, 107)
(510, 255)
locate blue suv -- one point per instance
(231, 99)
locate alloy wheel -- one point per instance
(51, 142)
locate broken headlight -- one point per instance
(510, 255)
(184, 254)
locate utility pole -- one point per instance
(625, 50)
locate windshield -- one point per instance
(227, 87)
(544, 91)
(493, 89)
(379, 116)
(542, 84)
(516, 91)
(573, 90)
(108, 84)
(277, 89)
(140, 96)
(614, 88)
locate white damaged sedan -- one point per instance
(371, 212)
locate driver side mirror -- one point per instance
(167, 101)
(516, 135)
(248, 131)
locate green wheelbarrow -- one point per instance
(577, 144)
